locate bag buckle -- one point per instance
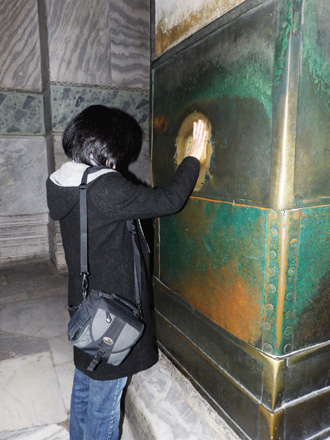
(84, 285)
(96, 360)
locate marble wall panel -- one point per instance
(23, 173)
(56, 249)
(21, 113)
(79, 38)
(67, 102)
(130, 47)
(23, 237)
(59, 155)
(20, 48)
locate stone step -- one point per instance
(161, 404)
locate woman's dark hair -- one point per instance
(100, 133)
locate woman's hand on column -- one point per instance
(199, 137)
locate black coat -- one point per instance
(111, 200)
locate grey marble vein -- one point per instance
(130, 48)
(20, 48)
(79, 36)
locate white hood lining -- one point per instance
(70, 174)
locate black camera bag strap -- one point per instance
(131, 226)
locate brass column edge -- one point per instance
(285, 117)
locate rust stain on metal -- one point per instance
(161, 124)
(227, 301)
(215, 283)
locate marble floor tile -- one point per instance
(35, 288)
(35, 317)
(9, 297)
(13, 345)
(65, 374)
(29, 393)
(50, 432)
(61, 349)
(17, 273)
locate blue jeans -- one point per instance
(95, 408)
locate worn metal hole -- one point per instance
(183, 144)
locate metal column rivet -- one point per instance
(272, 254)
(267, 347)
(271, 288)
(267, 326)
(294, 242)
(274, 232)
(288, 331)
(291, 271)
(270, 307)
(271, 271)
(287, 348)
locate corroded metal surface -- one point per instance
(262, 396)
(217, 264)
(250, 251)
(244, 236)
(214, 77)
(176, 21)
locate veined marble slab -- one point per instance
(79, 39)
(20, 47)
(130, 43)
(50, 432)
(29, 393)
(23, 173)
(99, 42)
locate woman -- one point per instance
(101, 136)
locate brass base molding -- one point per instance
(261, 396)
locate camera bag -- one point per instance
(104, 325)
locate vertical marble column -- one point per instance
(23, 209)
(98, 54)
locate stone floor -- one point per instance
(36, 372)
(36, 368)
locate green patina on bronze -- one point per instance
(312, 298)
(232, 85)
(282, 41)
(263, 275)
(219, 255)
(250, 251)
(214, 259)
(316, 52)
(313, 124)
